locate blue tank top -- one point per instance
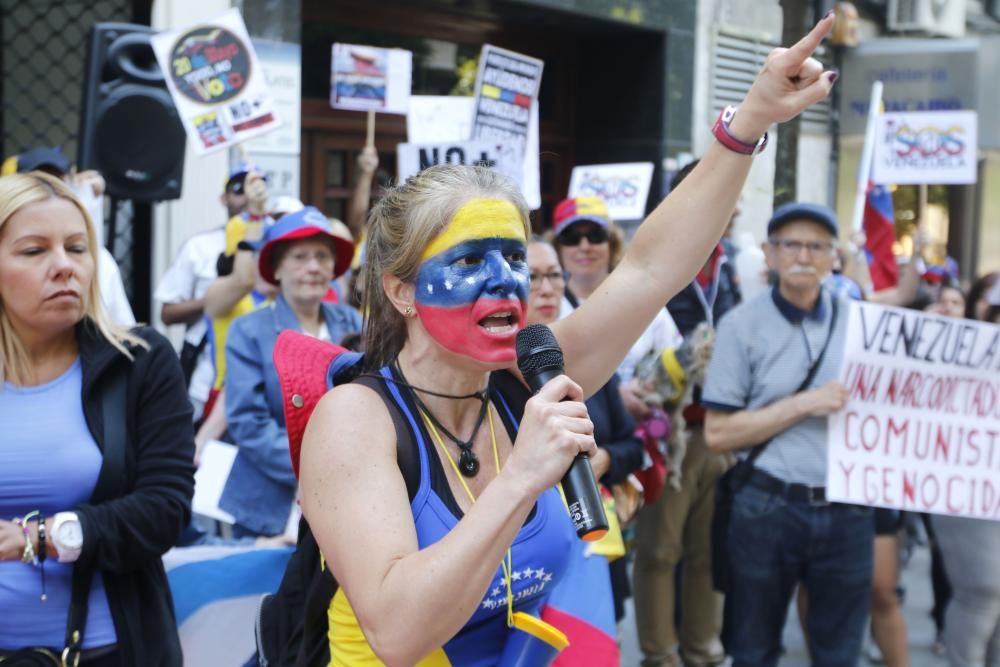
(539, 555)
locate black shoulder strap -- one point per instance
(406, 452)
(110, 484)
(811, 375)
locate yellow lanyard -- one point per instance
(506, 563)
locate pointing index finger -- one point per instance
(798, 52)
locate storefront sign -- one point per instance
(933, 147)
(624, 187)
(216, 82)
(921, 429)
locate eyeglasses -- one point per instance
(556, 279)
(573, 237)
(793, 247)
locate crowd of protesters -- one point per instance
(711, 402)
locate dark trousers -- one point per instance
(774, 545)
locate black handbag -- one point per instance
(110, 484)
(730, 483)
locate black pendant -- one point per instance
(468, 464)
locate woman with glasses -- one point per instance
(590, 246)
(301, 254)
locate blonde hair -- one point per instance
(401, 225)
(16, 192)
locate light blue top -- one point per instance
(763, 350)
(261, 486)
(50, 463)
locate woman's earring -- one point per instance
(408, 312)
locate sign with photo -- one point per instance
(931, 147)
(367, 78)
(216, 82)
(624, 187)
(504, 158)
(921, 428)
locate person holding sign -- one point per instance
(415, 542)
(770, 385)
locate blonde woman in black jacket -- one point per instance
(97, 448)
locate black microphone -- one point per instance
(540, 359)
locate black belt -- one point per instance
(794, 493)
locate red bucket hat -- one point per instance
(307, 368)
(300, 225)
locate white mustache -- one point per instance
(797, 269)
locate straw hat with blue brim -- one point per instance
(304, 224)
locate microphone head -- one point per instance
(537, 349)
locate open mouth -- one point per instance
(502, 322)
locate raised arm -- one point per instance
(673, 242)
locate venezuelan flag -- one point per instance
(582, 607)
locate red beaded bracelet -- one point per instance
(726, 138)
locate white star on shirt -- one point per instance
(516, 576)
(495, 592)
(540, 573)
(528, 572)
(548, 578)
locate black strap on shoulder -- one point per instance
(810, 376)
(110, 484)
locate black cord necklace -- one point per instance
(468, 462)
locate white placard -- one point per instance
(447, 119)
(210, 478)
(506, 90)
(929, 147)
(216, 82)
(282, 66)
(504, 158)
(921, 430)
(624, 187)
(368, 78)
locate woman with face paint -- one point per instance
(435, 543)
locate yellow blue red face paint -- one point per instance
(472, 287)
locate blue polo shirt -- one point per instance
(763, 351)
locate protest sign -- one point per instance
(447, 119)
(930, 147)
(216, 82)
(921, 429)
(504, 158)
(366, 78)
(624, 187)
(506, 89)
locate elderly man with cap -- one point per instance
(770, 386)
(299, 254)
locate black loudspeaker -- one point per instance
(129, 127)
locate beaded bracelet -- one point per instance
(29, 549)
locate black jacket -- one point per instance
(688, 310)
(614, 430)
(125, 538)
